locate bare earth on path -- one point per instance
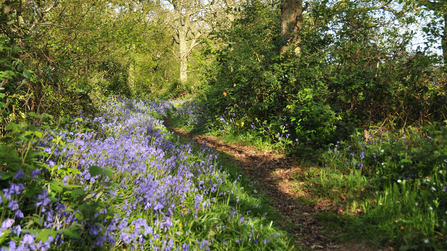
(273, 173)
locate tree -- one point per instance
(190, 22)
(439, 8)
(291, 24)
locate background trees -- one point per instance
(354, 68)
(354, 65)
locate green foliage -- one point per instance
(257, 86)
(404, 174)
(340, 80)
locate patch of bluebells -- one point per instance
(193, 113)
(161, 175)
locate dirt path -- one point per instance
(273, 172)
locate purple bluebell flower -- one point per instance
(7, 224)
(35, 173)
(14, 205)
(28, 239)
(12, 245)
(19, 174)
(16, 230)
(51, 163)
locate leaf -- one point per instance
(37, 220)
(38, 134)
(77, 192)
(26, 74)
(79, 216)
(56, 188)
(70, 233)
(28, 133)
(43, 235)
(6, 176)
(108, 172)
(95, 170)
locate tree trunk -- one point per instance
(183, 53)
(131, 73)
(444, 43)
(183, 60)
(291, 23)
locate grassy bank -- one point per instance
(382, 187)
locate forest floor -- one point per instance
(272, 175)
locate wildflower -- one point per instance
(426, 241)
(399, 181)
(433, 189)
(19, 214)
(28, 239)
(14, 205)
(35, 173)
(16, 230)
(19, 174)
(382, 151)
(416, 204)
(431, 208)
(7, 224)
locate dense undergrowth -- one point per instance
(390, 184)
(121, 181)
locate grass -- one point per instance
(387, 188)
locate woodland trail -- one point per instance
(271, 174)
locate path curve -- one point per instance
(273, 173)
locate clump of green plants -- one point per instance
(401, 177)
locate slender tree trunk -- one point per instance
(131, 76)
(444, 43)
(291, 24)
(183, 53)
